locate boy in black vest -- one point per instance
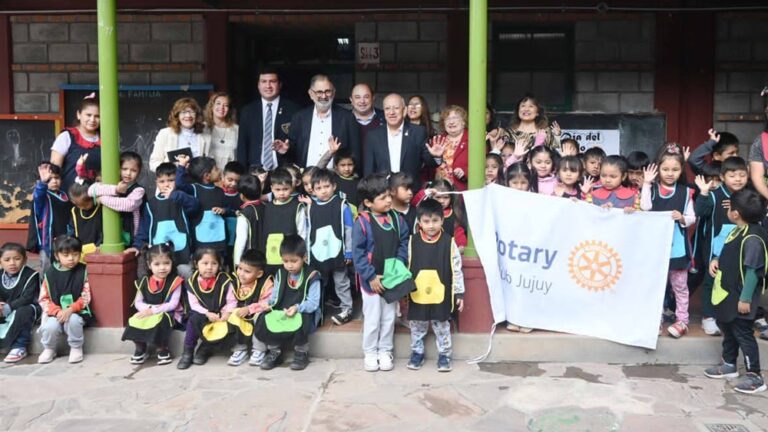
(435, 263)
(230, 179)
(739, 274)
(281, 217)
(50, 214)
(344, 166)
(165, 217)
(249, 216)
(294, 308)
(330, 221)
(712, 207)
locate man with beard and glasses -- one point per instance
(315, 128)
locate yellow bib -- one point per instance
(429, 289)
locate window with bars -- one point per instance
(532, 60)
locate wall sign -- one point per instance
(607, 139)
(368, 53)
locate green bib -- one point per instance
(278, 322)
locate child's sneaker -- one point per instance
(272, 359)
(750, 383)
(723, 370)
(256, 358)
(762, 326)
(416, 361)
(46, 356)
(164, 357)
(444, 363)
(300, 360)
(237, 358)
(342, 317)
(710, 327)
(668, 315)
(16, 355)
(371, 362)
(677, 330)
(75, 355)
(386, 361)
(139, 356)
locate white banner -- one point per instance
(555, 264)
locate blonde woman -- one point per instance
(220, 124)
(185, 130)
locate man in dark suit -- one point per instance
(263, 121)
(313, 127)
(399, 146)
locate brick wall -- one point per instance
(741, 72)
(413, 58)
(613, 70)
(49, 50)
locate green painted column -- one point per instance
(478, 74)
(110, 137)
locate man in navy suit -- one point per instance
(263, 121)
(314, 127)
(399, 146)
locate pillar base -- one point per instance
(477, 316)
(111, 277)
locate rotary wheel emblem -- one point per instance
(594, 265)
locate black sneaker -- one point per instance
(186, 359)
(139, 356)
(722, 370)
(272, 359)
(300, 361)
(164, 357)
(342, 317)
(444, 363)
(416, 361)
(201, 356)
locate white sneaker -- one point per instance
(257, 357)
(75, 355)
(710, 327)
(386, 361)
(47, 356)
(237, 358)
(371, 362)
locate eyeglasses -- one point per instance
(188, 112)
(454, 118)
(326, 93)
(414, 105)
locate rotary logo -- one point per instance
(594, 265)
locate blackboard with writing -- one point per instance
(25, 141)
(143, 112)
(637, 132)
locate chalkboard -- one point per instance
(143, 112)
(638, 132)
(25, 141)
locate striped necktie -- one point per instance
(267, 162)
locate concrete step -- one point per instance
(539, 346)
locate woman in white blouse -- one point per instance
(220, 124)
(185, 129)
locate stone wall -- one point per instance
(413, 59)
(49, 50)
(613, 70)
(741, 72)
